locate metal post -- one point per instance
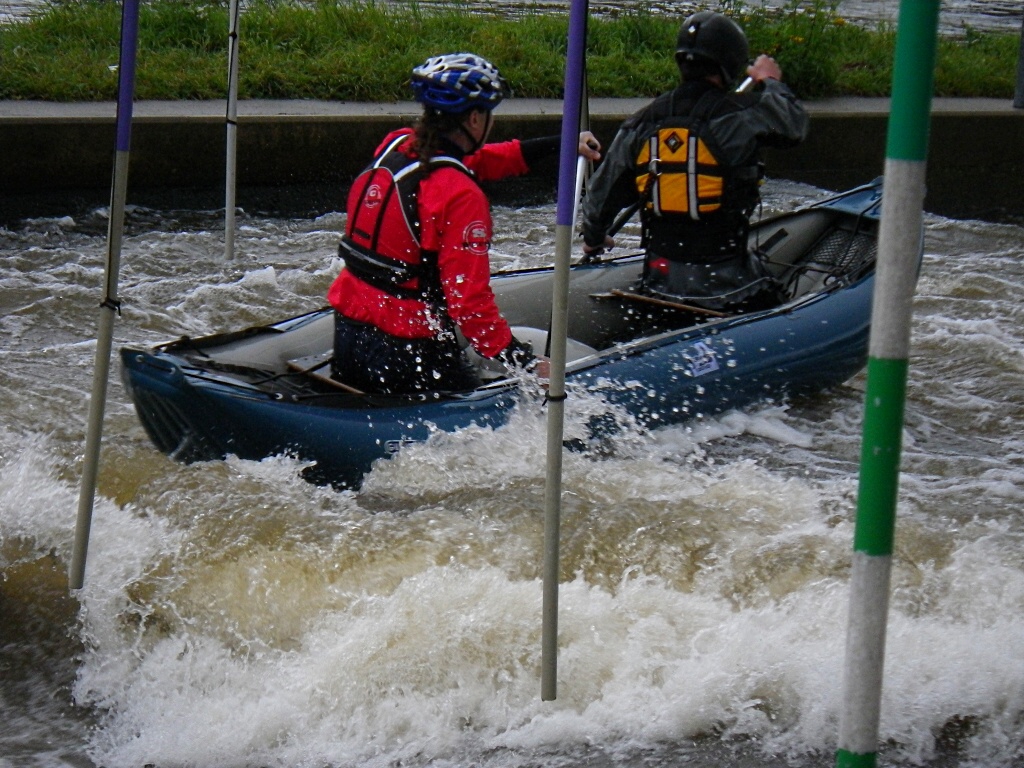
(898, 259)
(110, 303)
(232, 135)
(1018, 96)
(559, 321)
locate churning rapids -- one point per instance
(234, 615)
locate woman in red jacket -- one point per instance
(417, 240)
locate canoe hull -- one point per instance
(196, 419)
(247, 404)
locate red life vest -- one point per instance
(456, 231)
(376, 249)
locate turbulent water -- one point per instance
(234, 615)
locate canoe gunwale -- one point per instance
(234, 392)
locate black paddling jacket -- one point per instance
(693, 157)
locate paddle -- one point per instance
(583, 166)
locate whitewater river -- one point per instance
(236, 616)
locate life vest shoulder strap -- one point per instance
(395, 173)
(407, 173)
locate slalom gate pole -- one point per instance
(110, 305)
(1018, 93)
(899, 249)
(559, 324)
(231, 171)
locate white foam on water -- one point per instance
(235, 615)
(446, 665)
(281, 624)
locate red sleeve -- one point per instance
(459, 229)
(497, 161)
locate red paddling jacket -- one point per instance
(417, 241)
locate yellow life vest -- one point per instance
(677, 174)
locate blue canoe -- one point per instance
(264, 391)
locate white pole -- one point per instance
(232, 135)
(899, 247)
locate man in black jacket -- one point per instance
(692, 160)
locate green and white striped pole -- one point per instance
(898, 258)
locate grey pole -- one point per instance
(232, 135)
(110, 304)
(1018, 96)
(572, 102)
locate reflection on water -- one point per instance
(235, 615)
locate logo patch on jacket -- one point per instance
(374, 196)
(476, 238)
(673, 141)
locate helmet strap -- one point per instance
(474, 143)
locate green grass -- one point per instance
(361, 51)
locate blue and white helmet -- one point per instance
(457, 82)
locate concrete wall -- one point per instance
(49, 151)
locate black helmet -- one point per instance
(711, 36)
